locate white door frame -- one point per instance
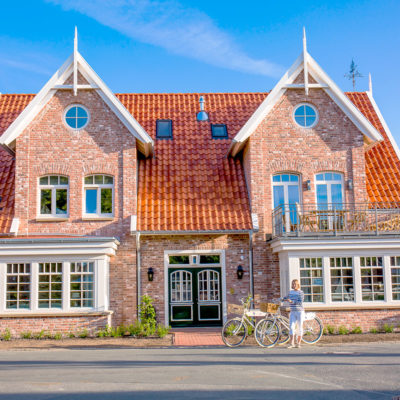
(168, 253)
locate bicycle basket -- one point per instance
(269, 307)
(235, 309)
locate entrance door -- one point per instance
(195, 296)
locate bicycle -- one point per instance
(235, 330)
(312, 325)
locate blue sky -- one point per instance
(202, 46)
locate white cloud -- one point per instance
(168, 24)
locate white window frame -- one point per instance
(329, 183)
(286, 186)
(98, 187)
(290, 269)
(53, 189)
(65, 114)
(100, 285)
(316, 115)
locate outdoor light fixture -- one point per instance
(308, 185)
(150, 274)
(240, 272)
(350, 184)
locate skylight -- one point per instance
(219, 131)
(164, 129)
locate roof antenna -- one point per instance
(305, 61)
(202, 115)
(370, 84)
(76, 62)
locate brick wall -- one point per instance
(47, 146)
(152, 255)
(52, 325)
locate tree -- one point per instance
(353, 73)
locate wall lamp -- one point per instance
(350, 184)
(308, 185)
(240, 272)
(150, 274)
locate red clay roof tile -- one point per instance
(190, 184)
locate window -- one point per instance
(164, 129)
(54, 196)
(219, 131)
(329, 186)
(50, 285)
(311, 279)
(18, 290)
(372, 286)
(82, 284)
(210, 259)
(179, 259)
(342, 285)
(76, 117)
(395, 273)
(306, 115)
(99, 195)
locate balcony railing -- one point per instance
(336, 219)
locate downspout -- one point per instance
(138, 273)
(251, 264)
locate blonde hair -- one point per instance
(295, 284)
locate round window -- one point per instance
(76, 117)
(306, 115)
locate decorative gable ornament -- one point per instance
(311, 68)
(73, 65)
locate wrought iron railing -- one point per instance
(336, 219)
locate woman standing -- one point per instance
(295, 299)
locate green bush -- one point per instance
(342, 330)
(162, 330)
(58, 336)
(356, 330)
(40, 335)
(83, 334)
(147, 314)
(6, 335)
(135, 329)
(373, 330)
(26, 335)
(329, 329)
(71, 335)
(388, 328)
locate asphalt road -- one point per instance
(367, 371)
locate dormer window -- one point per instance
(219, 131)
(164, 129)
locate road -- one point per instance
(362, 371)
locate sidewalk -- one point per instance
(197, 337)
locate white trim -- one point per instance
(98, 187)
(50, 88)
(288, 78)
(53, 187)
(384, 124)
(221, 265)
(14, 226)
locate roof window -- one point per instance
(164, 129)
(219, 131)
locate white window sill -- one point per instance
(351, 306)
(36, 313)
(43, 218)
(97, 218)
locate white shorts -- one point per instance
(296, 321)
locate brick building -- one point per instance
(196, 200)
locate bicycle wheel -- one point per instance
(284, 329)
(312, 330)
(267, 333)
(234, 332)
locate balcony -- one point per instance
(338, 219)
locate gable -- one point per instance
(59, 81)
(314, 78)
